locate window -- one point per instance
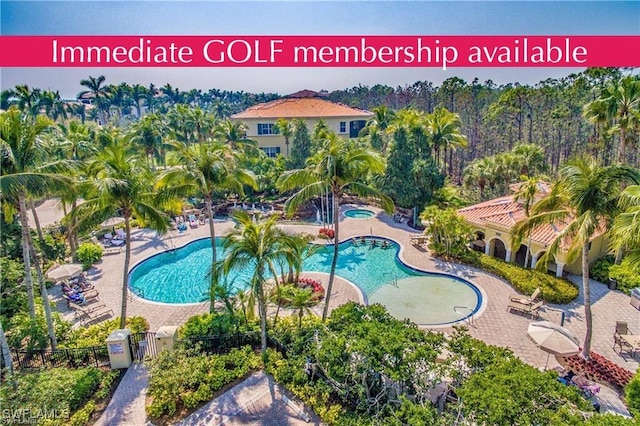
(343, 127)
(267, 129)
(271, 151)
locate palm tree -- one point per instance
(377, 127)
(119, 185)
(138, 96)
(619, 102)
(480, 172)
(234, 133)
(584, 199)
(21, 176)
(28, 100)
(625, 232)
(254, 246)
(149, 133)
(300, 299)
(99, 93)
(444, 130)
(526, 193)
(338, 167)
(285, 128)
(206, 169)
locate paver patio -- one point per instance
(493, 324)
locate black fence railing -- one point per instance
(221, 344)
(95, 356)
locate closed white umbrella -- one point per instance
(553, 339)
(63, 272)
(113, 221)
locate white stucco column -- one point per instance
(487, 248)
(508, 256)
(534, 260)
(559, 269)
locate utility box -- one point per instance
(635, 298)
(166, 337)
(119, 348)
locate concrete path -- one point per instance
(126, 407)
(258, 400)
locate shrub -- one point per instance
(599, 271)
(185, 378)
(88, 254)
(96, 334)
(632, 394)
(627, 277)
(326, 233)
(59, 391)
(600, 369)
(552, 289)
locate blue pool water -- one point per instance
(359, 213)
(180, 276)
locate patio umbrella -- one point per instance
(63, 272)
(112, 222)
(553, 339)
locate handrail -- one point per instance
(470, 317)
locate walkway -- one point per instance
(494, 325)
(126, 407)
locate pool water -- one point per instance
(359, 213)
(181, 276)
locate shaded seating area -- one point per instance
(625, 340)
(90, 312)
(418, 239)
(529, 309)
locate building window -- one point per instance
(343, 127)
(271, 151)
(267, 129)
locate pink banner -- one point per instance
(320, 51)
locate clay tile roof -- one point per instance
(306, 93)
(504, 213)
(301, 108)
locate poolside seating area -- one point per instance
(420, 240)
(106, 246)
(625, 340)
(528, 309)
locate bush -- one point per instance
(599, 271)
(185, 379)
(632, 393)
(96, 334)
(627, 277)
(59, 391)
(88, 254)
(552, 289)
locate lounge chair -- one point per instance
(525, 299)
(525, 308)
(193, 222)
(106, 249)
(120, 234)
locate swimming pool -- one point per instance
(180, 276)
(359, 213)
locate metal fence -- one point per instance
(95, 356)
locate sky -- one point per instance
(41, 17)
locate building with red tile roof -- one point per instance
(307, 105)
(493, 222)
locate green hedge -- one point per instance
(184, 378)
(525, 281)
(49, 395)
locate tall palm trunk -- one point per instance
(334, 261)
(6, 356)
(125, 272)
(262, 308)
(26, 258)
(36, 220)
(623, 145)
(45, 296)
(212, 230)
(586, 348)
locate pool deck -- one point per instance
(493, 325)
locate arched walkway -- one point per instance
(498, 249)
